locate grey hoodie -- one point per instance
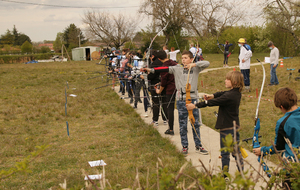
(181, 76)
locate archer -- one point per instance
(181, 78)
(287, 126)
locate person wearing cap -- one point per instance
(244, 62)
(274, 56)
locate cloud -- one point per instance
(44, 22)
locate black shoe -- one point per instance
(201, 150)
(131, 101)
(140, 101)
(169, 132)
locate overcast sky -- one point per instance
(44, 22)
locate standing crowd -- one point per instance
(165, 82)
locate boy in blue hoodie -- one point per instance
(287, 126)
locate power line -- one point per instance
(65, 6)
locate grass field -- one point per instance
(213, 81)
(101, 125)
(32, 113)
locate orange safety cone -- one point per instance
(234, 69)
(281, 63)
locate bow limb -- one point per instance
(148, 52)
(147, 63)
(188, 98)
(219, 44)
(255, 140)
(175, 39)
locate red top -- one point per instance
(167, 79)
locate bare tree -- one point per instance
(201, 17)
(285, 14)
(110, 29)
(213, 15)
(171, 12)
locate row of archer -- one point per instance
(124, 66)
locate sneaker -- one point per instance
(185, 150)
(155, 123)
(169, 132)
(201, 150)
(134, 107)
(165, 123)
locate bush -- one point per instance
(26, 47)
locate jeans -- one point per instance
(226, 155)
(225, 57)
(246, 73)
(183, 119)
(274, 79)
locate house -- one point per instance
(49, 45)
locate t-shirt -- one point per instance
(173, 54)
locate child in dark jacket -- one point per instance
(167, 84)
(228, 102)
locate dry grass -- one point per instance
(214, 81)
(101, 127)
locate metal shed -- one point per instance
(84, 53)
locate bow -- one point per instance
(188, 98)
(147, 58)
(148, 52)
(175, 40)
(255, 141)
(231, 50)
(219, 44)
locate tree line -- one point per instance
(205, 22)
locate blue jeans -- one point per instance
(183, 119)
(246, 73)
(226, 155)
(274, 79)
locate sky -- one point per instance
(44, 22)
(41, 22)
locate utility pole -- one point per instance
(79, 39)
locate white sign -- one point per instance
(267, 60)
(97, 163)
(93, 177)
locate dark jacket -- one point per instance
(167, 79)
(154, 77)
(228, 102)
